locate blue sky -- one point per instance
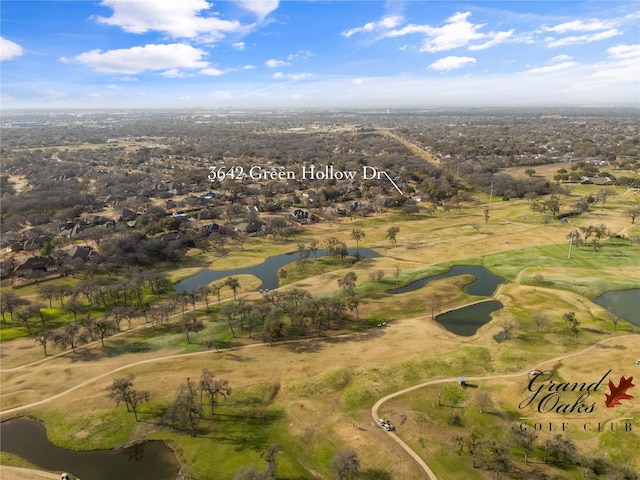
(318, 54)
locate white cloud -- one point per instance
(579, 26)
(261, 8)
(212, 72)
(561, 58)
(578, 39)
(359, 81)
(302, 54)
(239, 46)
(248, 67)
(273, 63)
(623, 66)
(552, 68)
(9, 49)
(139, 59)
(175, 73)
(447, 64)
(178, 19)
(455, 33)
(291, 76)
(495, 39)
(387, 23)
(624, 51)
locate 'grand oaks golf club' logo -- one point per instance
(563, 401)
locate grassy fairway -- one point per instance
(313, 397)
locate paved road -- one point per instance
(428, 472)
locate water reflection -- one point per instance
(151, 460)
(624, 303)
(266, 271)
(484, 284)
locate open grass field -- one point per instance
(313, 397)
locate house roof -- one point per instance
(81, 252)
(35, 263)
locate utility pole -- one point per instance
(491, 194)
(571, 241)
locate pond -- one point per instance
(146, 460)
(624, 303)
(485, 282)
(266, 271)
(464, 321)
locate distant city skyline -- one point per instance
(318, 54)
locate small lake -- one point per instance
(152, 460)
(624, 303)
(464, 321)
(484, 284)
(266, 271)
(467, 320)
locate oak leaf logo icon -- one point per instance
(618, 393)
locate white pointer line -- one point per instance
(394, 183)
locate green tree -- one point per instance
(357, 234)
(574, 323)
(559, 450)
(234, 284)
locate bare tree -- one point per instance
(203, 292)
(525, 439)
(348, 282)
(376, 275)
(483, 399)
(70, 336)
(104, 328)
(122, 391)
(434, 305)
(632, 213)
(346, 464)
(392, 233)
(48, 292)
(213, 388)
(9, 302)
(540, 320)
(186, 409)
(214, 288)
(44, 337)
(269, 457)
(509, 326)
(614, 318)
(397, 272)
(191, 324)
